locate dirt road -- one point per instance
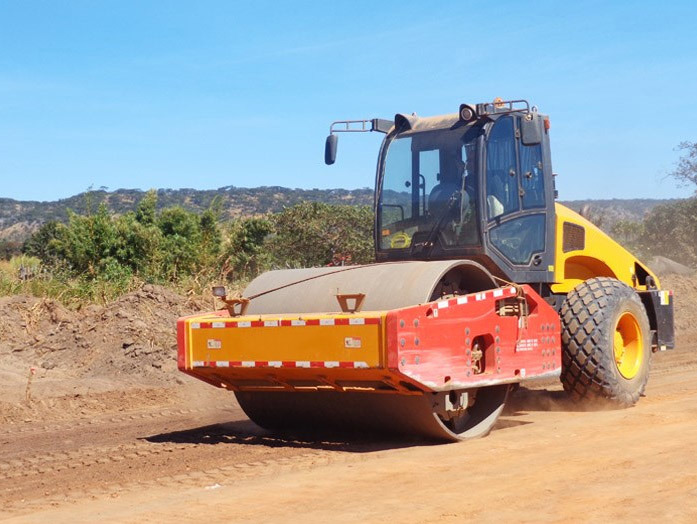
(96, 425)
(544, 462)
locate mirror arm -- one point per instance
(352, 126)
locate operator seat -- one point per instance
(439, 197)
(496, 193)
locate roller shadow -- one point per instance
(245, 432)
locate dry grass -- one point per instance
(76, 292)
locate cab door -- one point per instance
(518, 217)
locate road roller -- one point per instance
(481, 281)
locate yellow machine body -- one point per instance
(584, 251)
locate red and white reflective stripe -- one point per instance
(358, 321)
(328, 364)
(496, 293)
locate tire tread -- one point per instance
(588, 366)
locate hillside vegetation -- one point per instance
(19, 219)
(98, 255)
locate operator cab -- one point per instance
(472, 185)
(427, 192)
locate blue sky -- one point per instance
(138, 94)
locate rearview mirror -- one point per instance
(330, 149)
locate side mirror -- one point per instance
(330, 149)
(531, 129)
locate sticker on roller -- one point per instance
(214, 343)
(352, 342)
(527, 344)
(665, 298)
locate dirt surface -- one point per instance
(106, 430)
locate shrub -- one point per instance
(98, 255)
(317, 234)
(246, 254)
(671, 230)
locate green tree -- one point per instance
(181, 241)
(246, 254)
(46, 243)
(90, 243)
(317, 234)
(671, 230)
(211, 238)
(139, 246)
(146, 211)
(685, 171)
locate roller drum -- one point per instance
(386, 286)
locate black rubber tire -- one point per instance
(589, 315)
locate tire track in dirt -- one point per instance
(215, 467)
(71, 425)
(144, 455)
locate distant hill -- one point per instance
(18, 219)
(606, 213)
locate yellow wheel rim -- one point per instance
(629, 346)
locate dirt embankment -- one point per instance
(685, 292)
(51, 356)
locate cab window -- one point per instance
(521, 238)
(429, 174)
(397, 195)
(501, 180)
(531, 179)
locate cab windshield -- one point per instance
(428, 191)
